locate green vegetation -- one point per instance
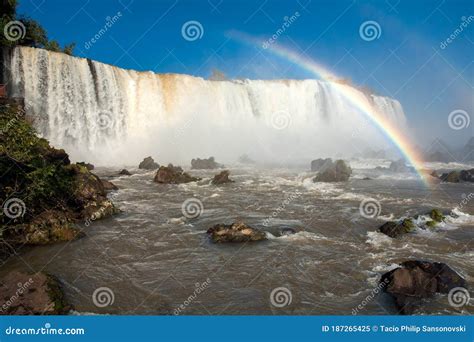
(31, 170)
(43, 195)
(408, 225)
(28, 33)
(436, 215)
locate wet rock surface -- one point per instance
(417, 280)
(108, 185)
(205, 164)
(35, 294)
(148, 164)
(339, 171)
(396, 229)
(222, 178)
(235, 232)
(458, 176)
(173, 175)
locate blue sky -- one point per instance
(405, 62)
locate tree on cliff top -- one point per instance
(27, 32)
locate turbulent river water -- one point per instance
(153, 259)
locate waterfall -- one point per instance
(111, 116)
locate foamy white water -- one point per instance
(109, 115)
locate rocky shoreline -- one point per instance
(44, 198)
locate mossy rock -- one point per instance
(408, 225)
(396, 229)
(431, 224)
(436, 215)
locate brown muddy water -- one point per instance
(153, 260)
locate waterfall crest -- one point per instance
(111, 116)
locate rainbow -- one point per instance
(355, 97)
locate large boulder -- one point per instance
(338, 172)
(396, 229)
(108, 186)
(35, 294)
(321, 164)
(416, 280)
(148, 164)
(205, 164)
(222, 178)
(467, 175)
(90, 195)
(173, 175)
(235, 232)
(451, 177)
(458, 176)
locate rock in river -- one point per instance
(458, 176)
(205, 164)
(108, 186)
(148, 164)
(222, 178)
(235, 232)
(173, 175)
(396, 229)
(417, 280)
(338, 172)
